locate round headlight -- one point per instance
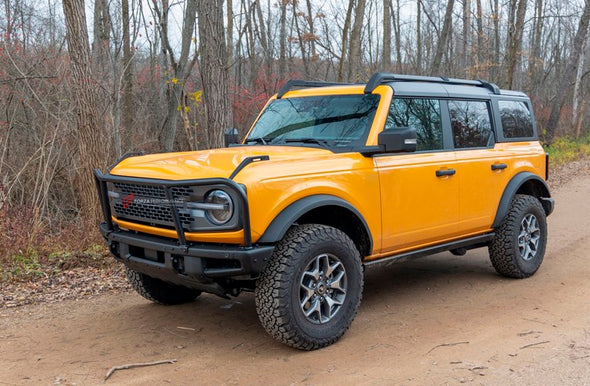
(224, 213)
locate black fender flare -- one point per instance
(510, 191)
(284, 220)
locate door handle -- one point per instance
(499, 166)
(445, 172)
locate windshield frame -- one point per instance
(384, 92)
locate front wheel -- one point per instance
(310, 291)
(518, 248)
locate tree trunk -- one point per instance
(386, 59)
(576, 114)
(442, 40)
(418, 36)
(514, 43)
(283, 39)
(213, 68)
(262, 37)
(180, 69)
(495, 56)
(535, 54)
(398, 35)
(311, 30)
(230, 31)
(345, 32)
(89, 130)
(102, 33)
(465, 47)
(355, 55)
(480, 35)
(567, 76)
(127, 78)
(304, 55)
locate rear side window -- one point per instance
(516, 119)
(471, 123)
(421, 114)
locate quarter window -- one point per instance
(421, 114)
(516, 119)
(471, 124)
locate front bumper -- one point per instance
(200, 266)
(195, 266)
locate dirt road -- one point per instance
(438, 320)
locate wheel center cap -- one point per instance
(321, 288)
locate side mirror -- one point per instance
(397, 140)
(230, 136)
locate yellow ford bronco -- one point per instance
(331, 178)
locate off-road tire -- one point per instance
(278, 290)
(504, 251)
(159, 291)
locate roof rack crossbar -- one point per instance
(380, 78)
(303, 83)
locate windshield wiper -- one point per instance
(317, 141)
(261, 140)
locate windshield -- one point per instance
(334, 120)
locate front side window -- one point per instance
(471, 124)
(420, 114)
(516, 119)
(333, 120)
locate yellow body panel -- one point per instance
(417, 206)
(481, 188)
(405, 205)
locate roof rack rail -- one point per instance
(304, 83)
(381, 77)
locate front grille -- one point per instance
(178, 192)
(149, 204)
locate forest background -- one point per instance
(82, 83)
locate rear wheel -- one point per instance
(310, 291)
(159, 291)
(518, 248)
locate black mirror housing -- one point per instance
(398, 140)
(230, 137)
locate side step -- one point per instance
(469, 243)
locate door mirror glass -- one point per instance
(397, 140)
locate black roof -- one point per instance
(416, 85)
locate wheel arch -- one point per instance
(322, 209)
(523, 183)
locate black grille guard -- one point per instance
(101, 185)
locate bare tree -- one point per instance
(181, 67)
(345, 40)
(89, 138)
(355, 55)
(102, 33)
(568, 75)
(418, 36)
(442, 40)
(514, 39)
(465, 46)
(283, 38)
(127, 78)
(214, 72)
(386, 59)
(480, 39)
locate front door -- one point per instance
(419, 191)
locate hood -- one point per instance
(216, 163)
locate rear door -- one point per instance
(483, 169)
